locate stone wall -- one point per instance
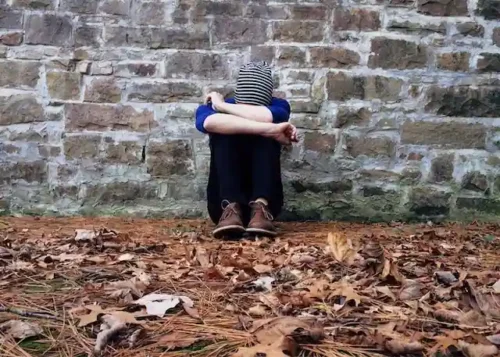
(397, 101)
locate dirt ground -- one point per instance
(83, 287)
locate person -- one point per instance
(245, 191)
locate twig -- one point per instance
(33, 314)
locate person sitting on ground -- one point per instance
(245, 138)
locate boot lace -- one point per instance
(261, 208)
(229, 209)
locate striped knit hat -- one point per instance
(255, 84)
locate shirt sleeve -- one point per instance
(202, 113)
(280, 109)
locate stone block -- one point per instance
(333, 57)
(470, 29)
(79, 6)
(263, 53)
(136, 70)
(321, 185)
(266, 11)
(291, 56)
(203, 8)
(475, 181)
(173, 157)
(11, 38)
(197, 65)
(48, 29)
(160, 92)
(450, 135)
(496, 36)
(125, 152)
(343, 87)
(371, 146)
(87, 35)
(64, 85)
(191, 38)
(417, 28)
(428, 202)
(115, 7)
(488, 62)
(19, 74)
(99, 117)
(397, 54)
(443, 7)
(304, 106)
(486, 205)
(19, 109)
(29, 171)
(81, 146)
(461, 101)
(355, 20)
(347, 117)
(103, 90)
(489, 9)
(239, 31)
(127, 36)
(309, 12)
(101, 68)
(297, 31)
(323, 143)
(153, 13)
(454, 61)
(442, 168)
(119, 193)
(48, 151)
(34, 4)
(11, 19)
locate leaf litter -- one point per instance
(166, 288)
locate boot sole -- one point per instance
(228, 230)
(263, 232)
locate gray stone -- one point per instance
(428, 202)
(119, 193)
(29, 171)
(19, 74)
(321, 186)
(81, 146)
(136, 70)
(398, 54)
(197, 65)
(445, 135)
(489, 62)
(291, 56)
(320, 142)
(307, 106)
(48, 29)
(443, 7)
(86, 35)
(205, 8)
(11, 38)
(115, 7)
(343, 87)
(20, 108)
(11, 19)
(333, 57)
(266, 11)
(489, 9)
(48, 151)
(103, 90)
(464, 101)
(184, 39)
(456, 61)
(98, 117)
(173, 157)
(79, 6)
(475, 181)
(262, 53)
(496, 36)
(126, 152)
(34, 4)
(297, 31)
(352, 117)
(64, 85)
(471, 29)
(239, 31)
(152, 12)
(309, 12)
(442, 168)
(370, 146)
(419, 28)
(486, 205)
(158, 92)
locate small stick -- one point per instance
(24, 313)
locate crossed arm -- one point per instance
(229, 119)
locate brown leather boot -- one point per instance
(230, 222)
(261, 221)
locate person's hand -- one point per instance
(216, 99)
(284, 133)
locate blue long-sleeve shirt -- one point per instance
(280, 109)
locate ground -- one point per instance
(81, 287)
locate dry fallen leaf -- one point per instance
(262, 269)
(85, 235)
(257, 310)
(494, 339)
(386, 291)
(341, 248)
(159, 304)
(202, 257)
(401, 347)
(471, 350)
(126, 257)
(20, 329)
(268, 331)
(264, 282)
(283, 347)
(496, 287)
(411, 290)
